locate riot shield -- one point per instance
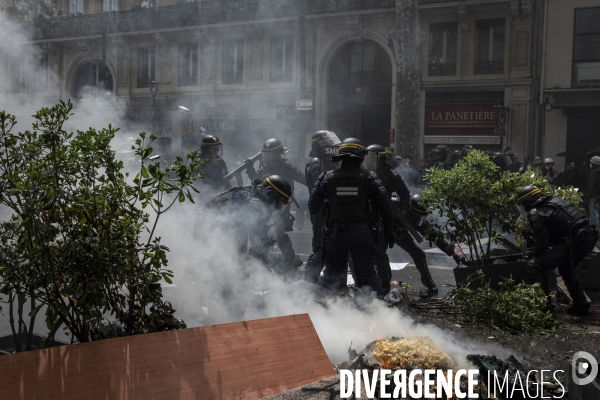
(327, 164)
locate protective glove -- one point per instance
(391, 239)
(459, 259)
(532, 267)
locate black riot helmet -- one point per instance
(466, 149)
(391, 160)
(456, 155)
(321, 139)
(500, 160)
(417, 204)
(276, 190)
(212, 144)
(271, 152)
(375, 158)
(528, 196)
(440, 153)
(350, 150)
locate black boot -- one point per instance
(579, 309)
(426, 279)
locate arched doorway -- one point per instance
(94, 74)
(360, 92)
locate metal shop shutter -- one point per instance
(583, 130)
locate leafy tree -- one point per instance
(43, 13)
(74, 241)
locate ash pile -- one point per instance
(419, 353)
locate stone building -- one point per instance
(235, 65)
(570, 80)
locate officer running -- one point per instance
(351, 196)
(563, 237)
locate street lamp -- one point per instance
(153, 85)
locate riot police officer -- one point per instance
(563, 237)
(352, 198)
(215, 169)
(416, 216)
(377, 161)
(438, 155)
(249, 209)
(273, 163)
(323, 145)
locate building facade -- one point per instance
(236, 69)
(570, 95)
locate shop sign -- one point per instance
(461, 116)
(462, 140)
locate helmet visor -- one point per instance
(329, 139)
(370, 161)
(271, 158)
(522, 210)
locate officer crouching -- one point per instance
(563, 237)
(351, 197)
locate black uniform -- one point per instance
(550, 219)
(213, 175)
(249, 217)
(352, 197)
(312, 172)
(393, 183)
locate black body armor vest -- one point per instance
(348, 201)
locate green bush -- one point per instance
(515, 307)
(74, 241)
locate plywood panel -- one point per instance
(241, 360)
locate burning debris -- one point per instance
(413, 353)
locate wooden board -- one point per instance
(241, 360)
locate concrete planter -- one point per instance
(495, 273)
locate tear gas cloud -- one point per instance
(210, 275)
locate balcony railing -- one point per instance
(442, 69)
(192, 14)
(489, 67)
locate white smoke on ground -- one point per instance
(201, 267)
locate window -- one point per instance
(233, 61)
(362, 63)
(148, 3)
(442, 49)
(40, 83)
(586, 47)
(75, 7)
(188, 64)
(109, 5)
(489, 46)
(282, 58)
(146, 65)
